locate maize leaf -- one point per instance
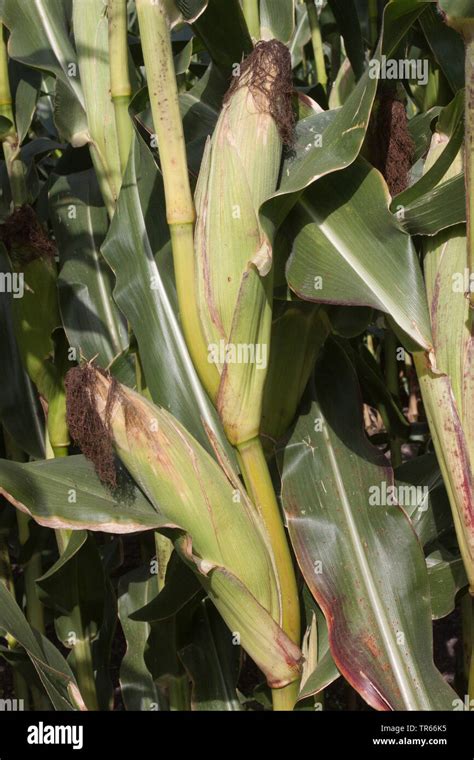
(67, 493)
(92, 44)
(212, 661)
(291, 362)
(20, 409)
(377, 607)
(53, 670)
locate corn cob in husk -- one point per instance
(218, 532)
(233, 255)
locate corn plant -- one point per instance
(237, 404)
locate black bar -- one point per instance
(370, 734)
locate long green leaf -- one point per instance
(91, 37)
(52, 668)
(376, 606)
(66, 493)
(277, 19)
(344, 234)
(139, 691)
(137, 249)
(93, 324)
(40, 38)
(212, 661)
(20, 410)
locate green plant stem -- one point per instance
(465, 27)
(15, 171)
(85, 673)
(82, 647)
(251, 11)
(120, 87)
(178, 691)
(178, 694)
(449, 452)
(32, 570)
(260, 488)
(11, 148)
(468, 33)
(6, 576)
(284, 699)
(467, 616)
(391, 377)
(163, 548)
(317, 43)
(60, 451)
(177, 686)
(180, 213)
(335, 55)
(373, 22)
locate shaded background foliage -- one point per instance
(358, 224)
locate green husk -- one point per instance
(219, 533)
(234, 279)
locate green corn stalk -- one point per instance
(252, 176)
(234, 277)
(220, 536)
(32, 569)
(120, 87)
(373, 22)
(447, 377)
(317, 43)
(459, 14)
(11, 148)
(155, 25)
(6, 577)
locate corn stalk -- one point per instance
(317, 43)
(241, 414)
(120, 87)
(10, 142)
(447, 378)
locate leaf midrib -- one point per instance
(391, 645)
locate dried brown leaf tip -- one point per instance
(85, 424)
(24, 236)
(267, 73)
